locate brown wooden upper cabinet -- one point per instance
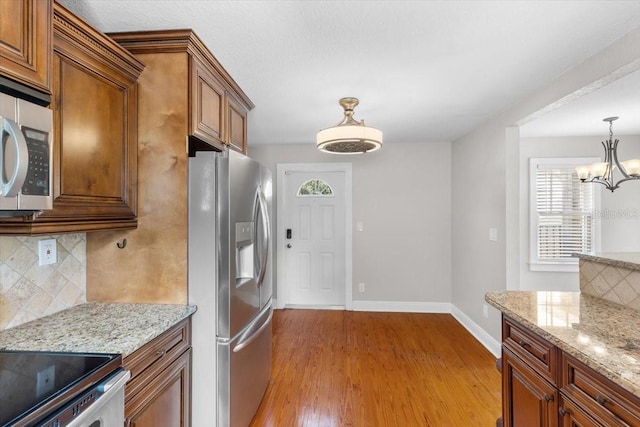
(207, 105)
(25, 42)
(95, 137)
(217, 113)
(236, 126)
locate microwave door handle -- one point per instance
(11, 131)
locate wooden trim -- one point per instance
(179, 40)
(70, 27)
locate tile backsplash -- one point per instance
(611, 282)
(29, 291)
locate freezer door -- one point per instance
(244, 242)
(244, 369)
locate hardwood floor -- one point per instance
(362, 369)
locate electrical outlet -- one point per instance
(361, 287)
(45, 380)
(485, 311)
(47, 253)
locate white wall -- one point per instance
(619, 217)
(483, 196)
(402, 195)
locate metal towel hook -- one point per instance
(123, 244)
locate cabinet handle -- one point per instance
(523, 343)
(562, 411)
(601, 400)
(161, 353)
(548, 398)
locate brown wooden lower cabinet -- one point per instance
(528, 400)
(165, 401)
(159, 391)
(543, 386)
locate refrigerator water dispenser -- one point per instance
(245, 252)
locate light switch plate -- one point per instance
(493, 234)
(47, 253)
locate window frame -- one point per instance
(320, 180)
(565, 264)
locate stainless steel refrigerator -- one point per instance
(230, 280)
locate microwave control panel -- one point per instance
(37, 180)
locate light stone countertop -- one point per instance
(96, 328)
(603, 335)
(629, 260)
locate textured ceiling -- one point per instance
(424, 71)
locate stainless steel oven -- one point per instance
(48, 389)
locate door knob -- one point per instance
(289, 245)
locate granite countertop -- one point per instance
(601, 334)
(630, 260)
(96, 328)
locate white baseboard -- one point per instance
(402, 306)
(474, 329)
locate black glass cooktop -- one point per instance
(32, 384)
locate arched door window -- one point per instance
(315, 187)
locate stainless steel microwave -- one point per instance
(26, 157)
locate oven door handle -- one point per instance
(114, 381)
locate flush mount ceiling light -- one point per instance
(602, 173)
(349, 136)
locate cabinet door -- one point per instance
(236, 126)
(166, 400)
(207, 106)
(528, 400)
(25, 42)
(95, 139)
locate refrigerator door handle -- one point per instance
(245, 341)
(261, 210)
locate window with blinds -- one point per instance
(562, 213)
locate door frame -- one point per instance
(281, 168)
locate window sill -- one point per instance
(554, 267)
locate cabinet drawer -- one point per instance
(606, 401)
(165, 400)
(540, 354)
(572, 415)
(148, 361)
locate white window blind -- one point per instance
(562, 214)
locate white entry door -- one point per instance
(313, 237)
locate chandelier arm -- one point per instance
(607, 151)
(608, 185)
(609, 159)
(615, 158)
(626, 179)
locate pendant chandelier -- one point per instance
(602, 173)
(349, 136)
